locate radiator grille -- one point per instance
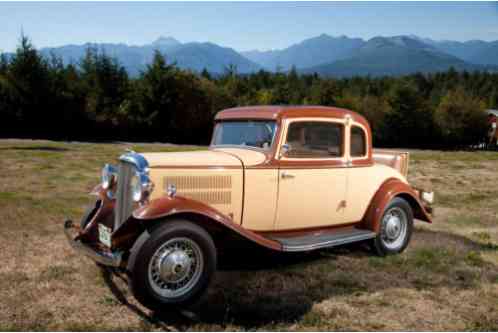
(215, 190)
(124, 200)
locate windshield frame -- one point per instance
(270, 147)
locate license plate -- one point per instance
(105, 235)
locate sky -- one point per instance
(240, 25)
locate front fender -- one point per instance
(171, 206)
(390, 189)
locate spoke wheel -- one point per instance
(175, 267)
(172, 265)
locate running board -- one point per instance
(320, 241)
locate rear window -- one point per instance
(358, 142)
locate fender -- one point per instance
(390, 189)
(170, 206)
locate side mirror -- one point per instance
(284, 150)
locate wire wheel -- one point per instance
(175, 267)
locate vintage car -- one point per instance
(293, 178)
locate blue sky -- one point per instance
(243, 25)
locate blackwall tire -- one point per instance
(174, 266)
(396, 228)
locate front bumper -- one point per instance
(99, 255)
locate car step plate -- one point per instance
(315, 241)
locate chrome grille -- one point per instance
(124, 200)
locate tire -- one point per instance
(396, 228)
(173, 267)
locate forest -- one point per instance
(96, 100)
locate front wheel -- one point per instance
(396, 228)
(174, 266)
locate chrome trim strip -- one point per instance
(330, 243)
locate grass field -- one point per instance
(447, 279)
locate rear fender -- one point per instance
(181, 206)
(390, 189)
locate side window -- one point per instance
(315, 139)
(358, 142)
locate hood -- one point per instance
(202, 158)
(248, 157)
(219, 157)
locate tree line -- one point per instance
(95, 100)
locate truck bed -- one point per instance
(393, 158)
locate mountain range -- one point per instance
(195, 56)
(326, 55)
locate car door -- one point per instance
(312, 176)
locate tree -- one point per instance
(43, 97)
(106, 85)
(27, 82)
(376, 110)
(205, 74)
(157, 95)
(410, 122)
(324, 92)
(461, 118)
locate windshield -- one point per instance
(259, 134)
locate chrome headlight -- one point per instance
(141, 186)
(427, 197)
(109, 175)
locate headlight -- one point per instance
(140, 186)
(428, 197)
(109, 173)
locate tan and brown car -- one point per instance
(283, 178)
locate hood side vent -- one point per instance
(214, 190)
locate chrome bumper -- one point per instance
(114, 259)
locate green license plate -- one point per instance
(105, 235)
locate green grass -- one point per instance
(474, 258)
(464, 220)
(454, 156)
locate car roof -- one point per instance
(277, 112)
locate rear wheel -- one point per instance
(395, 229)
(174, 266)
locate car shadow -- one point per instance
(257, 288)
(119, 292)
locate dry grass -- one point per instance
(446, 280)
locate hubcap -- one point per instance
(394, 227)
(175, 267)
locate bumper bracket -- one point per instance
(112, 259)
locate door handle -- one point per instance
(286, 175)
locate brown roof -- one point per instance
(278, 112)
